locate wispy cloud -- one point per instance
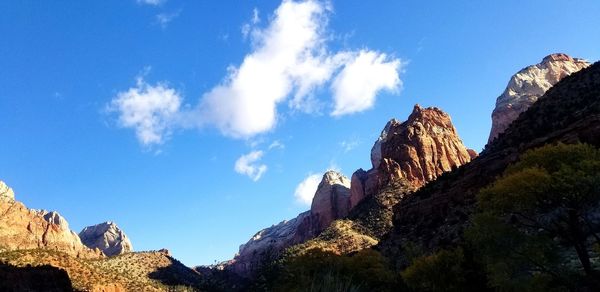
(163, 19)
(276, 145)
(349, 145)
(151, 2)
(249, 164)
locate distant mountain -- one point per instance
(527, 85)
(23, 228)
(107, 237)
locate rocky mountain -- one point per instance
(23, 228)
(417, 150)
(107, 237)
(435, 216)
(406, 155)
(527, 85)
(331, 201)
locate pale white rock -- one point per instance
(6, 191)
(376, 149)
(529, 84)
(107, 237)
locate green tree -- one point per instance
(441, 271)
(541, 208)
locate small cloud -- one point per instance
(305, 191)
(276, 145)
(151, 2)
(255, 17)
(249, 165)
(355, 87)
(148, 109)
(163, 19)
(349, 145)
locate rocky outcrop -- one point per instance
(23, 228)
(525, 87)
(435, 216)
(417, 150)
(107, 237)
(6, 192)
(330, 202)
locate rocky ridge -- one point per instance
(331, 201)
(23, 228)
(406, 155)
(435, 216)
(529, 84)
(417, 150)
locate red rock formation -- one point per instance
(418, 150)
(23, 228)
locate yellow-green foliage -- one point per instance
(317, 270)
(441, 271)
(534, 222)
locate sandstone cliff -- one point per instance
(417, 150)
(107, 237)
(435, 216)
(23, 228)
(331, 202)
(527, 85)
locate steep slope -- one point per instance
(41, 278)
(527, 85)
(436, 215)
(107, 237)
(139, 271)
(331, 201)
(417, 150)
(23, 228)
(405, 157)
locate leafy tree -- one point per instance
(318, 270)
(537, 214)
(441, 271)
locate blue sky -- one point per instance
(159, 115)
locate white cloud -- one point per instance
(148, 109)
(305, 191)
(349, 145)
(276, 145)
(249, 165)
(163, 19)
(151, 2)
(288, 63)
(355, 87)
(288, 57)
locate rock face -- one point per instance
(435, 216)
(417, 150)
(331, 202)
(107, 237)
(6, 192)
(525, 87)
(23, 228)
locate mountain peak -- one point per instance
(526, 86)
(107, 237)
(6, 191)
